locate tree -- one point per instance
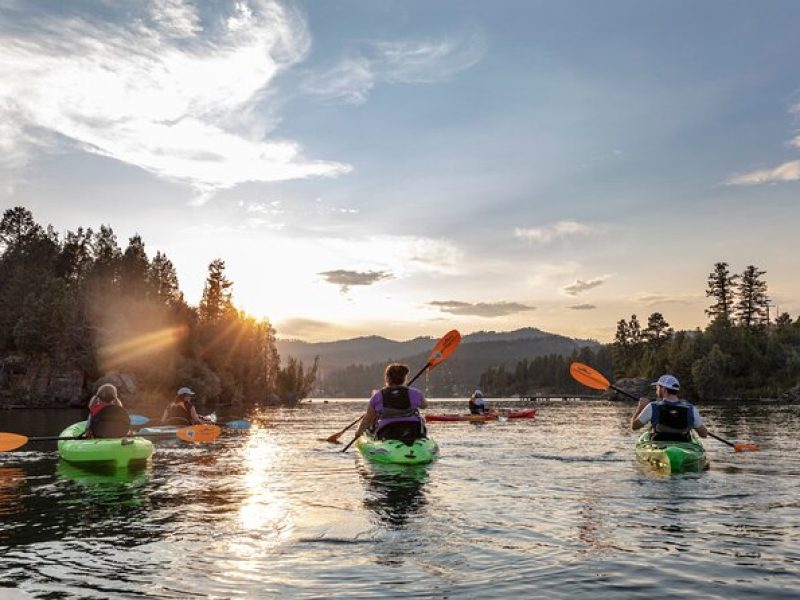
(164, 280)
(657, 330)
(217, 299)
(711, 374)
(16, 225)
(134, 269)
(721, 288)
(751, 308)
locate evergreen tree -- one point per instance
(135, 269)
(721, 287)
(751, 307)
(657, 331)
(164, 280)
(217, 298)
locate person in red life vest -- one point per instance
(181, 410)
(107, 417)
(393, 412)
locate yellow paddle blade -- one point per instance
(199, 433)
(11, 441)
(588, 376)
(744, 447)
(444, 348)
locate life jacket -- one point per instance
(397, 403)
(477, 408)
(676, 418)
(108, 421)
(179, 413)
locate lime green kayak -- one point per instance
(120, 452)
(396, 452)
(671, 457)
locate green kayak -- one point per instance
(120, 452)
(396, 452)
(671, 457)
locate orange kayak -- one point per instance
(514, 414)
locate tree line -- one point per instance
(743, 352)
(82, 302)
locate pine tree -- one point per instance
(721, 287)
(217, 300)
(657, 330)
(751, 307)
(134, 269)
(164, 280)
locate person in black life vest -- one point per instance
(393, 412)
(477, 405)
(181, 410)
(670, 418)
(107, 417)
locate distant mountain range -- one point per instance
(352, 367)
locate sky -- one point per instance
(401, 168)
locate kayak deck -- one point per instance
(514, 414)
(671, 456)
(119, 452)
(397, 452)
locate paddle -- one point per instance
(594, 379)
(334, 439)
(238, 424)
(196, 433)
(441, 351)
(139, 420)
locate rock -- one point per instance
(791, 396)
(41, 383)
(636, 386)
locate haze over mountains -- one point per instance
(354, 367)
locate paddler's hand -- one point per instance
(642, 403)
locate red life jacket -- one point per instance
(98, 408)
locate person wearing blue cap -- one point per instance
(670, 418)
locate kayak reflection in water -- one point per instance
(477, 404)
(393, 412)
(181, 410)
(670, 418)
(107, 417)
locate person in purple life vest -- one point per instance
(670, 418)
(393, 412)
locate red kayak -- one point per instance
(514, 414)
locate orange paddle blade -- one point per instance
(11, 441)
(199, 433)
(444, 348)
(588, 376)
(744, 447)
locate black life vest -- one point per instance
(108, 421)
(672, 417)
(397, 403)
(179, 413)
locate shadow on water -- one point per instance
(395, 493)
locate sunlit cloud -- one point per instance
(554, 231)
(652, 299)
(344, 278)
(788, 171)
(352, 79)
(581, 286)
(582, 307)
(157, 90)
(481, 309)
(306, 329)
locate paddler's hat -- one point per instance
(477, 394)
(669, 382)
(184, 391)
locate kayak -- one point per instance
(396, 452)
(671, 457)
(167, 432)
(120, 452)
(514, 414)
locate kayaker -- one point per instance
(181, 410)
(107, 417)
(393, 412)
(670, 418)
(477, 405)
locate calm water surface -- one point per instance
(555, 507)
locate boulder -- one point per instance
(636, 386)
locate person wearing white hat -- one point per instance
(181, 410)
(670, 418)
(477, 405)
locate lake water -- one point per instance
(553, 508)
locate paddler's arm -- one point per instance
(700, 428)
(367, 422)
(635, 422)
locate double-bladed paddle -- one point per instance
(441, 351)
(195, 433)
(594, 379)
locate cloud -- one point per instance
(149, 86)
(581, 286)
(306, 329)
(648, 299)
(788, 171)
(582, 307)
(481, 309)
(549, 233)
(345, 279)
(351, 80)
